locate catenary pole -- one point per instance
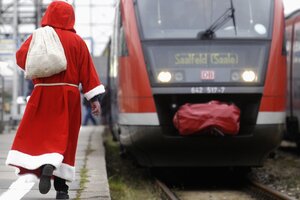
(0, 11)
(14, 112)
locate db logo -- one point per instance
(207, 75)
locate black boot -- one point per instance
(45, 180)
(61, 188)
(62, 195)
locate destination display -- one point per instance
(215, 63)
(205, 58)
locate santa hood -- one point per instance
(59, 14)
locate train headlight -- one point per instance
(249, 76)
(164, 76)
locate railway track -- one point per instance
(250, 191)
(259, 191)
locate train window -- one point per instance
(284, 51)
(296, 63)
(123, 45)
(296, 47)
(161, 19)
(288, 44)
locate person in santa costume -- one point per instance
(46, 140)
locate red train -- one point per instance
(160, 50)
(293, 76)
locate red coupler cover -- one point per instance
(215, 115)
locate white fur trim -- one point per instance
(65, 171)
(30, 162)
(95, 91)
(27, 161)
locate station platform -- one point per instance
(91, 177)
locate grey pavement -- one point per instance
(90, 158)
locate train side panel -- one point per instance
(135, 94)
(274, 96)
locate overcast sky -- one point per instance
(291, 5)
(94, 20)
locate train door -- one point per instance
(112, 83)
(293, 103)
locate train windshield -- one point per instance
(168, 19)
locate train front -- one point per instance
(195, 51)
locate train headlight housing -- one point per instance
(235, 76)
(164, 76)
(249, 76)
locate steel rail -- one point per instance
(166, 190)
(268, 192)
(254, 188)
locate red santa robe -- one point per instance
(48, 131)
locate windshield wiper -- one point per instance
(210, 32)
